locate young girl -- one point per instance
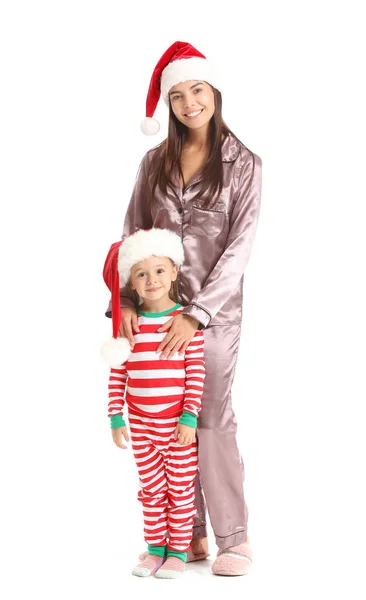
(205, 185)
(163, 398)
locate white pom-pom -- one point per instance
(150, 126)
(116, 351)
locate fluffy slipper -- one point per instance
(233, 561)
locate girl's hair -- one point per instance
(167, 157)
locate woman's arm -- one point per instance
(229, 269)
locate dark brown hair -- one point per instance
(167, 157)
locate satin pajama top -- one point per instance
(217, 241)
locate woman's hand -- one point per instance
(128, 322)
(181, 331)
(118, 434)
(184, 434)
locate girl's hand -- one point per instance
(181, 331)
(128, 322)
(118, 434)
(184, 434)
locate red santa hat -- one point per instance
(181, 62)
(116, 273)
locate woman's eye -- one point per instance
(198, 90)
(141, 275)
(176, 97)
(160, 271)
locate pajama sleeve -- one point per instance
(116, 396)
(138, 216)
(195, 375)
(229, 269)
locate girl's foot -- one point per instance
(198, 550)
(171, 569)
(148, 566)
(232, 561)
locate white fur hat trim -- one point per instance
(150, 126)
(146, 243)
(187, 69)
(116, 351)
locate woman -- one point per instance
(205, 185)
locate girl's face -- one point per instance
(192, 103)
(152, 278)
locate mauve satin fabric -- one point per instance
(221, 468)
(217, 242)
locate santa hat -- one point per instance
(116, 273)
(181, 62)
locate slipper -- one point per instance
(193, 557)
(233, 561)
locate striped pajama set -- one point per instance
(159, 394)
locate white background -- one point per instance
(74, 76)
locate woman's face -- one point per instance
(192, 103)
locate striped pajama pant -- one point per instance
(167, 473)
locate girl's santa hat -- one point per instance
(116, 273)
(181, 62)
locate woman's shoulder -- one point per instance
(233, 150)
(150, 154)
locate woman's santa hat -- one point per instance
(181, 62)
(116, 273)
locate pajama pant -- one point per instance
(221, 469)
(167, 473)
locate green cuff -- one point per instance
(188, 419)
(181, 555)
(117, 421)
(157, 550)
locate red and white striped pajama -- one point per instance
(167, 474)
(158, 392)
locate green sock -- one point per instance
(157, 550)
(181, 555)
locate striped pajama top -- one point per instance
(154, 387)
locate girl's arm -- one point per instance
(116, 394)
(229, 269)
(116, 389)
(195, 374)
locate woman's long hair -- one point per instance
(167, 157)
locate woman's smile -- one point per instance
(193, 115)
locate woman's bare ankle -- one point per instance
(199, 545)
